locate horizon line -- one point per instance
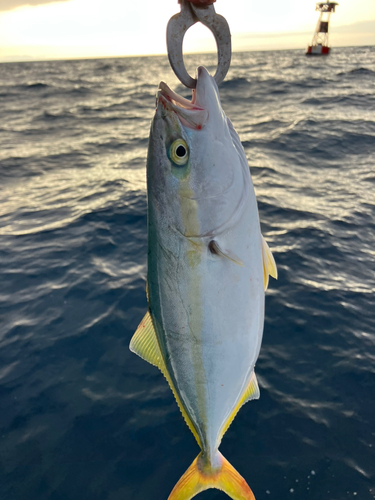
(26, 58)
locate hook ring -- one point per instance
(178, 26)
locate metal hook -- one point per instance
(178, 26)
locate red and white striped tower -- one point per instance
(319, 44)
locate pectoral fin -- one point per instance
(146, 345)
(269, 264)
(215, 249)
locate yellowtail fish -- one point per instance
(208, 267)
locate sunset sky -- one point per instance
(44, 29)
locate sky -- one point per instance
(66, 29)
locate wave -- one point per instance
(363, 100)
(34, 86)
(49, 116)
(357, 71)
(103, 67)
(50, 89)
(327, 140)
(73, 247)
(234, 83)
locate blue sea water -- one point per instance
(82, 418)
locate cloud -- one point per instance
(14, 4)
(359, 27)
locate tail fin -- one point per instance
(197, 478)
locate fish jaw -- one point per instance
(203, 110)
(206, 95)
(190, 115)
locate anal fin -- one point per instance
(145, 344)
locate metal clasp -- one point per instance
(178, 26)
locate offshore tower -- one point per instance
(319, 44)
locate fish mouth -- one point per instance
(189, 113)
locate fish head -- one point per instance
(195, 175)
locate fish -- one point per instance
(208, 268)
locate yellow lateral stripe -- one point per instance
(146, 345)
(251, 392)
(197, 478)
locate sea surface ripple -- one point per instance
(81, 417)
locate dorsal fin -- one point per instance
(251, 392)
(146, 345)
(269, 264)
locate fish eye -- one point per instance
(178, 152)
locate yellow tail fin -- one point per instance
(200, 477)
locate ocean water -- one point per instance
(82, 418)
